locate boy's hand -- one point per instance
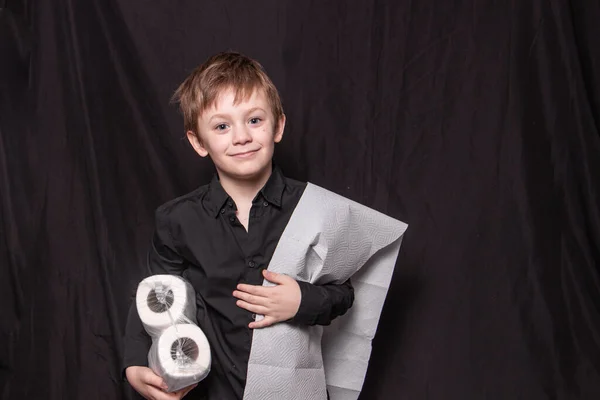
(151, 386)
(276, 303)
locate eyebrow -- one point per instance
(226, 116)
(218, 116)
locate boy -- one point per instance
(222, 236)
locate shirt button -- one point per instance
(253, 316)
(265, 204)
(232, 219)
(251, 264)
(230, 204)
(222, 211)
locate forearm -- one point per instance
(136, 342)
(321, 304)
(162, 259)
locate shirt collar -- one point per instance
(272, 192)
(273, 189)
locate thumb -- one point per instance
(274, 277)
(152, 379)
(187, 390)
(263, 323)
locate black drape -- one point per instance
(476, 122)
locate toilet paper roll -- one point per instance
(165, 300)
(180, 356)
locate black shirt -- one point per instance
(199, 237)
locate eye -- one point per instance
(221, 127)
(255, 120)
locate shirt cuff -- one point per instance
(311, 304)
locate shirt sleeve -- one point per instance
(321, 304)
(162, 259)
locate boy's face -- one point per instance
(239, 138)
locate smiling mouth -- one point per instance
(244, 154)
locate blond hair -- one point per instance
(227, 70)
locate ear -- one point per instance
(279, 129)
(197, 144)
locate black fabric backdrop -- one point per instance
(476, 122)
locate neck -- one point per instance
(243, 191)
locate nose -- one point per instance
(241, 135)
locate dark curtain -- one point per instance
(476, 122)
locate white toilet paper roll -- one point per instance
(180, 356)
(165, 300)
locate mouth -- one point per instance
(245, 154)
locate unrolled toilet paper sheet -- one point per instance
(329, 238)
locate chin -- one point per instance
(247, 172)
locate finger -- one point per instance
(252, 307)
(187, 390)
(150, 378)
(180, 394)
(256, 290)
(266, 321)
(158, 394)
(250, 298)
(274, 277)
